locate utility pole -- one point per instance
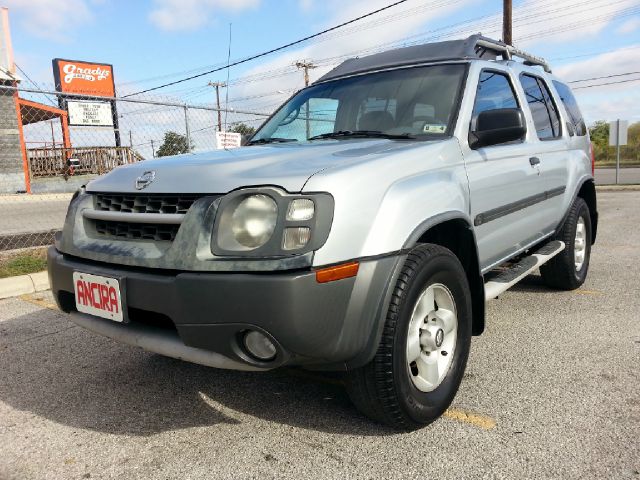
(306, 66)
(53, 137)
(218, 86)
(153, 150)
(130, 139)
(507, 10)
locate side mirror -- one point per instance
(498, 126)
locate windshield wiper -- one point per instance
(262, 141)
(363, 134)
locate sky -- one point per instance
(151, 42)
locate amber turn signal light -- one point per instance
(337, 272)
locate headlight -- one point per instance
(254, 221)
(249, 224)
(267, 222)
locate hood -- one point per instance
(285, 165)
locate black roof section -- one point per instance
(474, 47)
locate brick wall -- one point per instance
(11, 173)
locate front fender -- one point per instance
(412, 206)
(380, 200)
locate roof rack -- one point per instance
(508, 52)
(474, 47)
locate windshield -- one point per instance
(417, 102)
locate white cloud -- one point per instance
(611, 63)
(306, 5)
(629, 26)
(548, 22)
(51, 19)
(180, 15)
(608, 102)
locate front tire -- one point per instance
(425, 343)
(568, 270)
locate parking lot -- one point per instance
(552, 390)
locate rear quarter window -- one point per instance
(544, 112)
(571, 106)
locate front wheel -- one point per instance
(568, 270)
(423, 351)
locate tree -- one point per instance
(174, 144)
(599, 133)
(243, 129)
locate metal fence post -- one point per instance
(617, 149)
(186, 127)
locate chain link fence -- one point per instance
(45, 155)
(49, 148)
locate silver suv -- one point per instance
(361, 230)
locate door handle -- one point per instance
(534, 161)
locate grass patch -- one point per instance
(23, 262)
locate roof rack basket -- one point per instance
(508, 52)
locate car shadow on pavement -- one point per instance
(67, 375)
(531, 283)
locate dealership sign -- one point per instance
(90, 114)
(78, 81)
(83, 78)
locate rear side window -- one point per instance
(494, 91)
(544, 112)
(571, 106)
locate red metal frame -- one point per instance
(61, 114)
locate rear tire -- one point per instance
(423, 352)
(568, 270)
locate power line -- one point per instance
(478, 23)
(384, 20)
(599, 52)
(273, 50)
(606, 76)
(34, 84)
(608, 83)
(579, 24)
(470, 24)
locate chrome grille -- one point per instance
(144, 203)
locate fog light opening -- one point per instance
(259, 346)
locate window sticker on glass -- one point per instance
(434, 128)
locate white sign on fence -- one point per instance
(228, 140)
(92, 114)
(618, 136)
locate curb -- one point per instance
(618, 188)
(24, 284)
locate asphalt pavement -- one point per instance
(552, 390)
(32, 213)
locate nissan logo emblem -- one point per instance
(144, 180)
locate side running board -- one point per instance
(503, 281)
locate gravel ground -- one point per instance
(552, 391)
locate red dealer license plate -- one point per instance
(99, 296)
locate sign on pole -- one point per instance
(77, 77)
(617, 137)
(618, 132)
(84, 78)
(226, 140)
(90, 114)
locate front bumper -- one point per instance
(333, 325)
